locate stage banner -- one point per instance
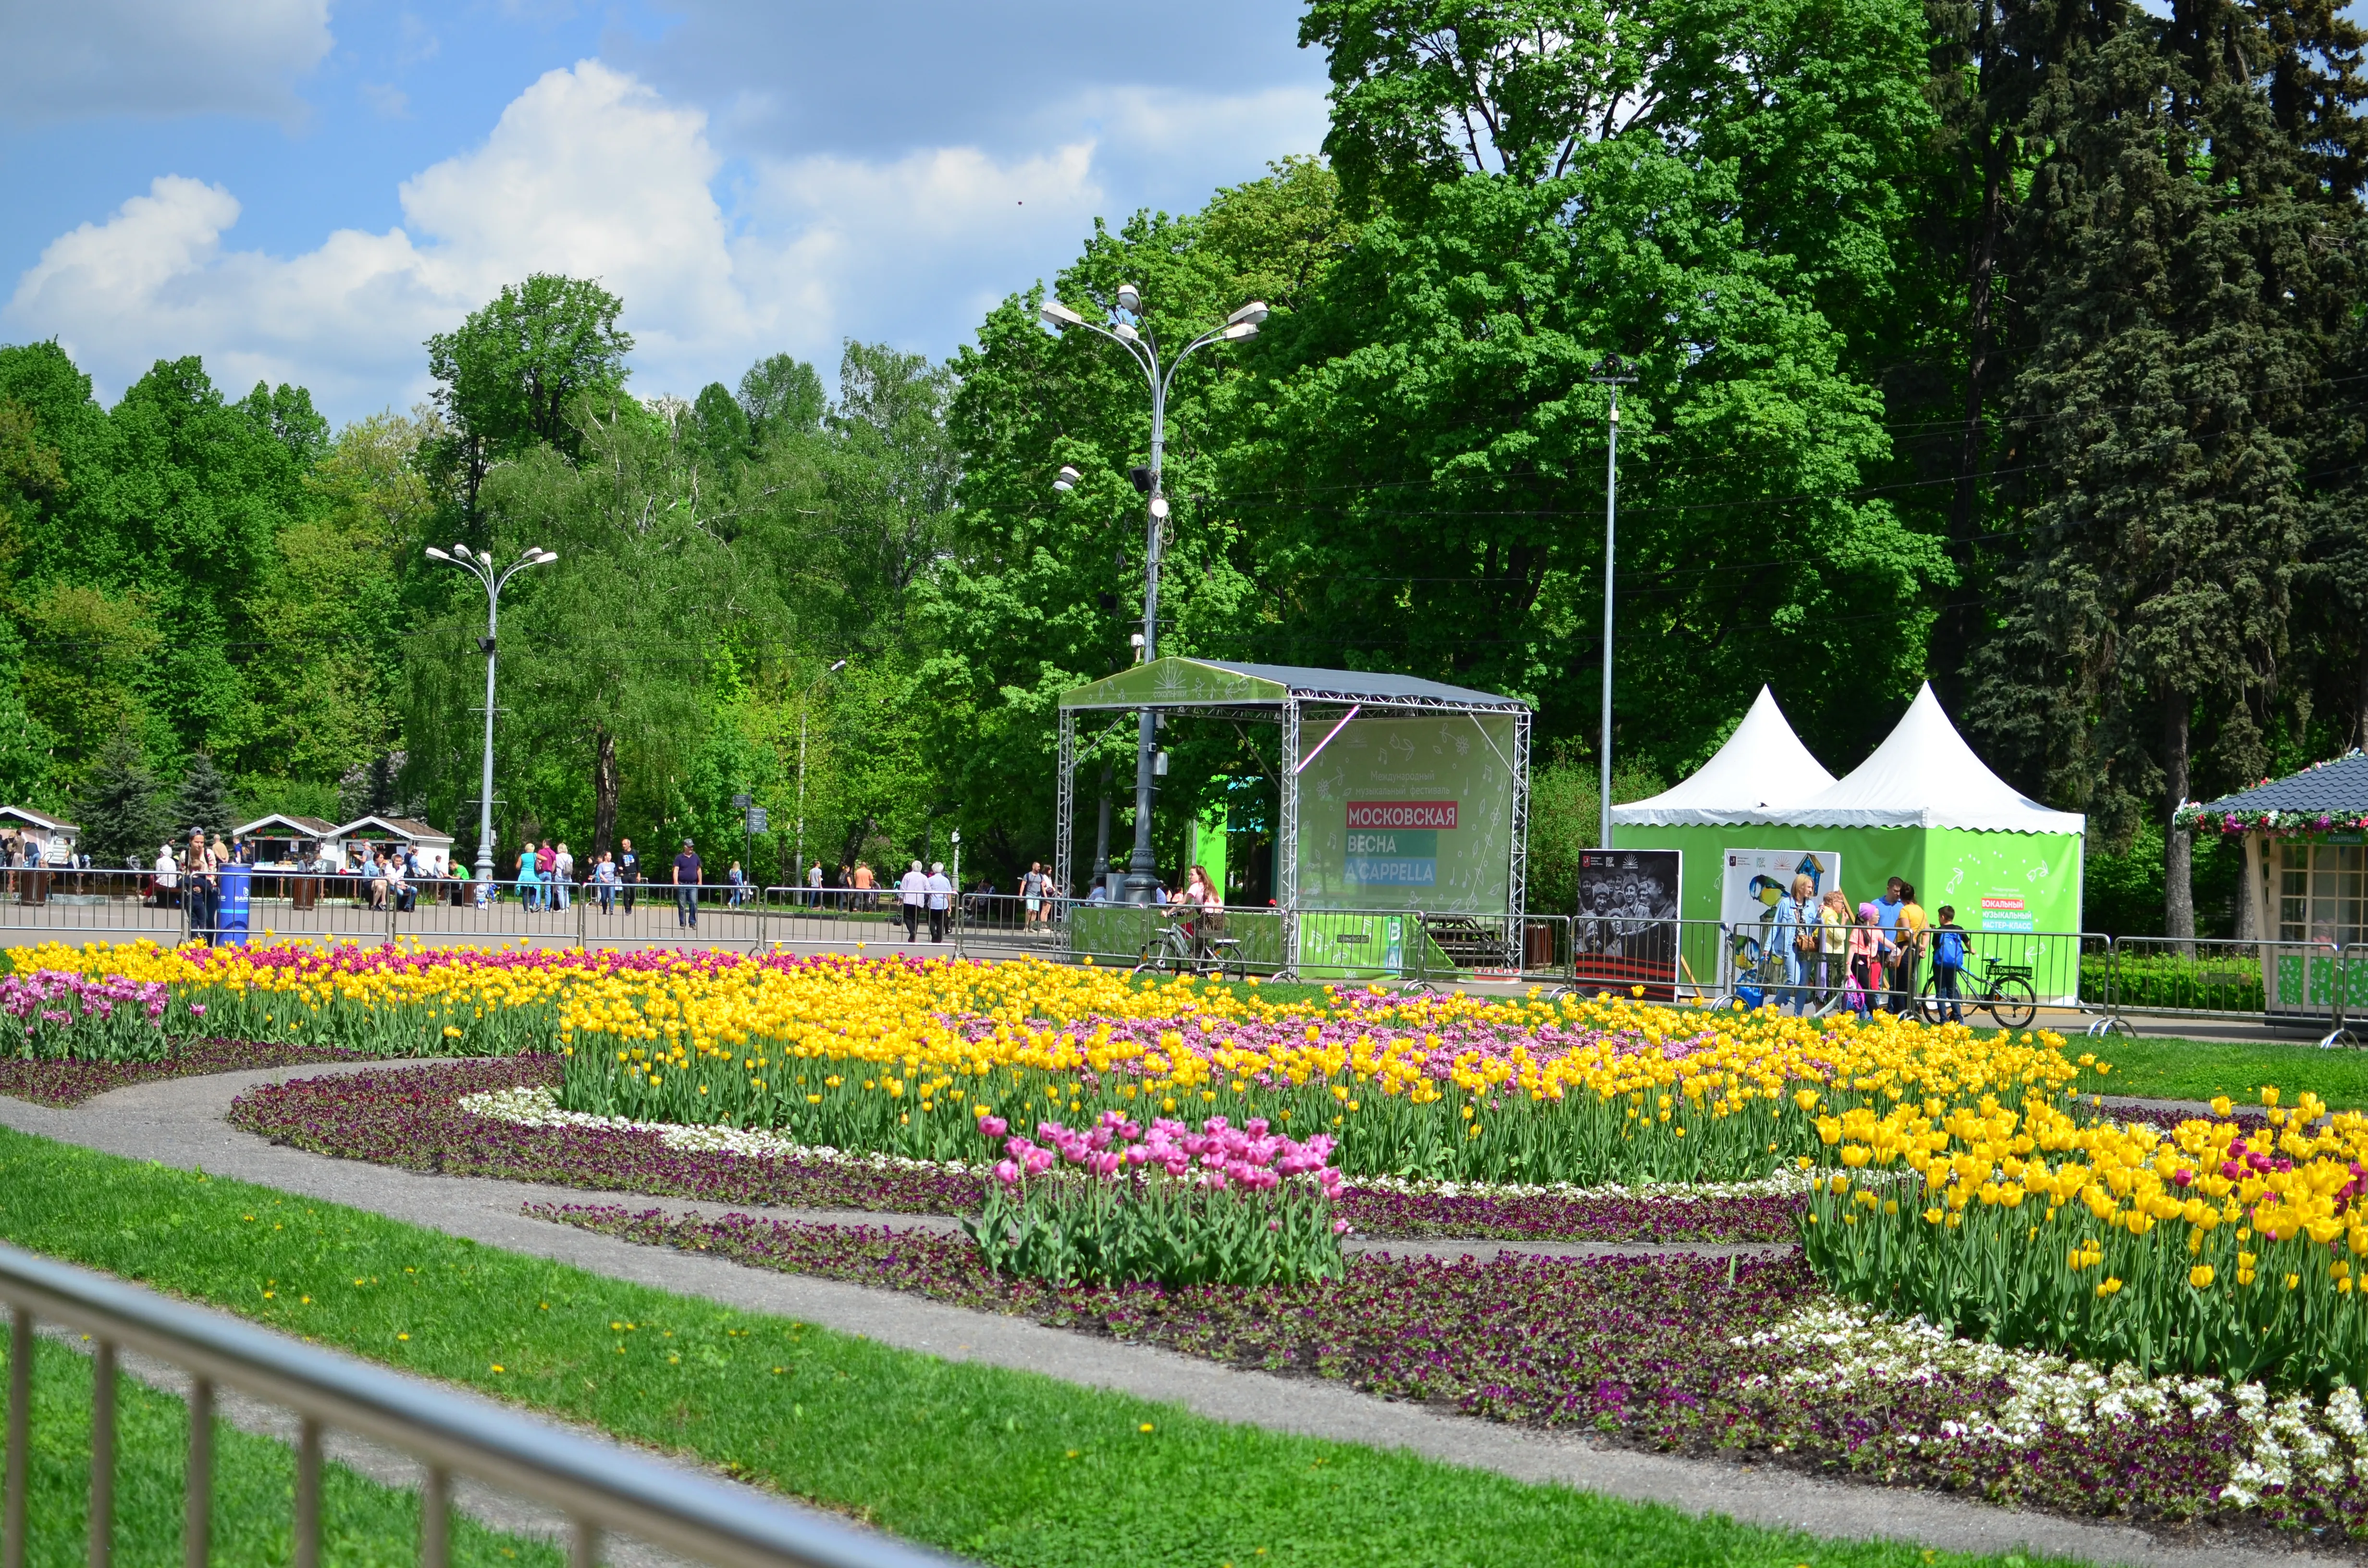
(1755, 882)
(1626, 932)
(1406, 814)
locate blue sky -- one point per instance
(303, 191)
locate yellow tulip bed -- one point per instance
(2204, 1248)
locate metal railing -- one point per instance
(2322, 985)
(600, 1490)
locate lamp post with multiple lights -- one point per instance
(480, 565)
(1125, 329)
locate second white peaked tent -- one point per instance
(1762, 767)
(1925, 775)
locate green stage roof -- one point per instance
(1222, 683)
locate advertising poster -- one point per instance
(1626, 930)
(1407, 814)
(1756, 882)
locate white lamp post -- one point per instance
(480, 566)
(1141, 873)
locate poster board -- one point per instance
(1406, 814)
(1753, 882)
(1625, 929)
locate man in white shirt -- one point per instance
(814, 884)
(168, 877)
(941, 898)
(913, 892)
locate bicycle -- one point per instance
(1176, 949)
(2004, 992)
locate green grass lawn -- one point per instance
(1008, 1467)
(2199, 1069)
(363, 1525)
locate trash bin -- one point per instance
(235, 885)
(1537, 945)
(303, 892)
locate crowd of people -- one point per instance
(1819, 954)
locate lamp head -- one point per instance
(1067, 479)
(1125, 333)
(837, 668)
(1237, 332)
(461, 552)
(1159, 508)
(1058, 314)
(436, 554)
(1130, 299)
(1253, 312)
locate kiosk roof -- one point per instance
(1226, 683)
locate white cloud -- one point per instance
(591, 173)
(157, 57)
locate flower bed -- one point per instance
(65, 1082)
(413, 1118)
(2212, 1249)
(1734, 1357)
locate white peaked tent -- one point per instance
(1926, 776)
(1922, 808)
(1763, 765)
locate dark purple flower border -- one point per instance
(407, 1117)
(1638, 1350)
(69, 1083)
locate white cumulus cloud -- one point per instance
(157, 57)
(591, 173)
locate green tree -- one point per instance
(782, 396)
(203, 800)
(121, 808)
(510, 376)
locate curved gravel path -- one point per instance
(181, 1123)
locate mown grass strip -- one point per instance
(2199, 1069)
(363, 1525)
(1008, 1467)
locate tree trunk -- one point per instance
(2178, 847)
(2360, 717)
(604, 791)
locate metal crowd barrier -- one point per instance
(598, 1489)
(2318, 985)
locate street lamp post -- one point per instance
(480, 565)
(799, 872)
(1614, 373)
(1141, 881)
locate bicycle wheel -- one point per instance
(1927, 1004)
(2013, 1002)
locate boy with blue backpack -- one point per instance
(1947, 963)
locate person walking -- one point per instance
(1948, 964)
(1031, 894)
(686, 887)
(738, 881)
(913, 892)
(629, 871)
(1910, 937)
(604, 882)
(941, 898)
(866, 886)
(563, 874)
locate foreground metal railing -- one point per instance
(599, 1490)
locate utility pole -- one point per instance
(480, 566)
(1614, 373)
(1141, 881)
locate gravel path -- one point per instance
(181, 1123)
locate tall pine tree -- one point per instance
(203, 800)
(121, 806)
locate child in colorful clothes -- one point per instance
(1869, 949)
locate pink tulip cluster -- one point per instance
(1250, 1157)
(56, 996)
